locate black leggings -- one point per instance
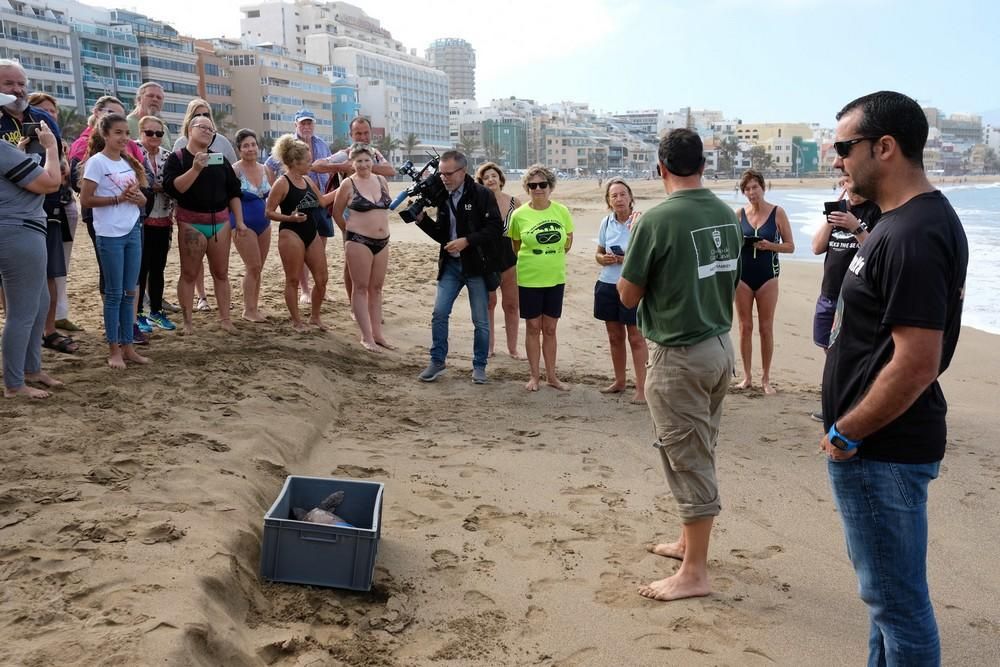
(155, 247)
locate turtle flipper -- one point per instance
(332, 501)
(299, 513)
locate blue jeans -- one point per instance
(121, 257)
(449, 285)
(884, 510)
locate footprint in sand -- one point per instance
(478, 599)
(764, 554)
(524, 434)
(359, 472)
(163, 532)
(444, 559)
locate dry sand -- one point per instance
(131, 504)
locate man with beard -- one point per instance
(894, 333)
(13, 118)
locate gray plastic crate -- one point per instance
(301, 552)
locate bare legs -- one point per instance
(767, 302)
(540, 342)
(617, 335)
(253, 249)
(295, 259)
(193, 248)
(511, 318)
(368, 277)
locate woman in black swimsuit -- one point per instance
(294, 201)
(366, 234)
(766, 232)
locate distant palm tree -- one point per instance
(410, 143)
(71, 123)
(388, 145)
(494, 152)
(224, 123)
(469, 146)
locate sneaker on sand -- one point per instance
(203, 305)
(479, 375)
(816, 416)
(170, 307)
(161, 320)
(143, 324)
(138, 337)
(432, 372)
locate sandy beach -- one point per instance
(515, 523)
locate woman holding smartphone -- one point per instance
(206, 190)
(612, 243)
(295, 202)
(766, 232)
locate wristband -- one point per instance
(841, 441)
(861, 228)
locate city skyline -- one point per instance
(910, 47)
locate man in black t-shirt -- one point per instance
(894, 333)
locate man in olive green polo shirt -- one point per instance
(681, 269)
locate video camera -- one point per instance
(427, 188)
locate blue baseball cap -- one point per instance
(304, 114)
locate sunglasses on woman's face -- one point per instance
(153, 133)
(203, 114)
(543, 185)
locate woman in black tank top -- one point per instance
(294, 201)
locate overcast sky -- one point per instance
(759, 60)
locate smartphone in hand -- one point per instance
(617, 250)
(833, 206)
(215, 158)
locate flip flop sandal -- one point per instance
(60, 343)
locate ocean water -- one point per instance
(977, 205)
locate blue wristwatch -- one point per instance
(841, 441)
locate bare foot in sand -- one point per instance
(745, 384)
(227, 326)
(25, 390)
(129, 354)
(676, 588)
(299, 326)
(371, 346)
(116, 362)
(516, 355)
(556, 384)
(768, 389)
(638, 399)
(187, 329)
(532, 384)
(673, 550)
(614, 388)
(318, 323)
(253, 317)
(43, 378)
(384, 343)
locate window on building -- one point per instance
(253, 14)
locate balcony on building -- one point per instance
(44, 39)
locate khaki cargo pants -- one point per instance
(684, 390)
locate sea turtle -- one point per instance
(323, 513)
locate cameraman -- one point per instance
(469, 228)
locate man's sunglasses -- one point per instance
(843, 148)
(153, 133)
(543, 185)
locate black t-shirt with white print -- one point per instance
(842, 247)
(910, 271)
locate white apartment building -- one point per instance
(38, 36)
(339, 34)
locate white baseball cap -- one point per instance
(6, 99)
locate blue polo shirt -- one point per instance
(612, 233)
(319, 151)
